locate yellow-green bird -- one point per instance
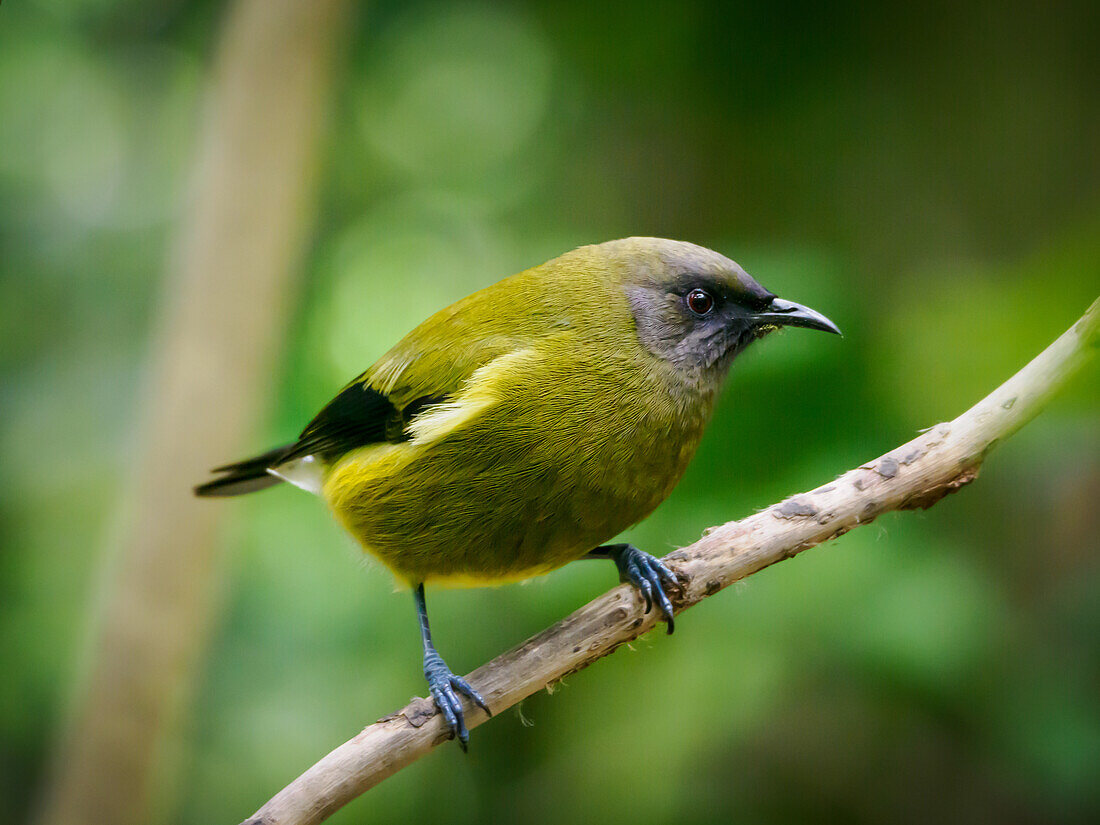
(520, 428)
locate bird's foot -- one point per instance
(649, 574)
(445, 687)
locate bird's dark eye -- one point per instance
(699, 301)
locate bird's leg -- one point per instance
(442, 682)
(645, 572)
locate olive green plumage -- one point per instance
(560, 430)
(522, 426)
(525, 425)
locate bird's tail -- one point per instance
(246, 476)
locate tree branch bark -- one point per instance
(915, 475)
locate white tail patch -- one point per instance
(306, 472)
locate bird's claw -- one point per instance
(650, 575)
(445, 687)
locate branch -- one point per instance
(914, 475)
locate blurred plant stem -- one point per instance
(232, 269)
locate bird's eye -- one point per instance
(699, 301)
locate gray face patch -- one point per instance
(700, 346)
(693, 344)
(658, 275)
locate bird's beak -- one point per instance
(782, 313)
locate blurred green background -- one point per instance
(927, 175)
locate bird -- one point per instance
(528, 424)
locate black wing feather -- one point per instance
(358, 416)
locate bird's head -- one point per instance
(697, 309)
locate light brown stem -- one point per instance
(916, 474)
(233, 264)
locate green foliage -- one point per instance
(927, 181)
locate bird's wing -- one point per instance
(359, 415)
(421, 373)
